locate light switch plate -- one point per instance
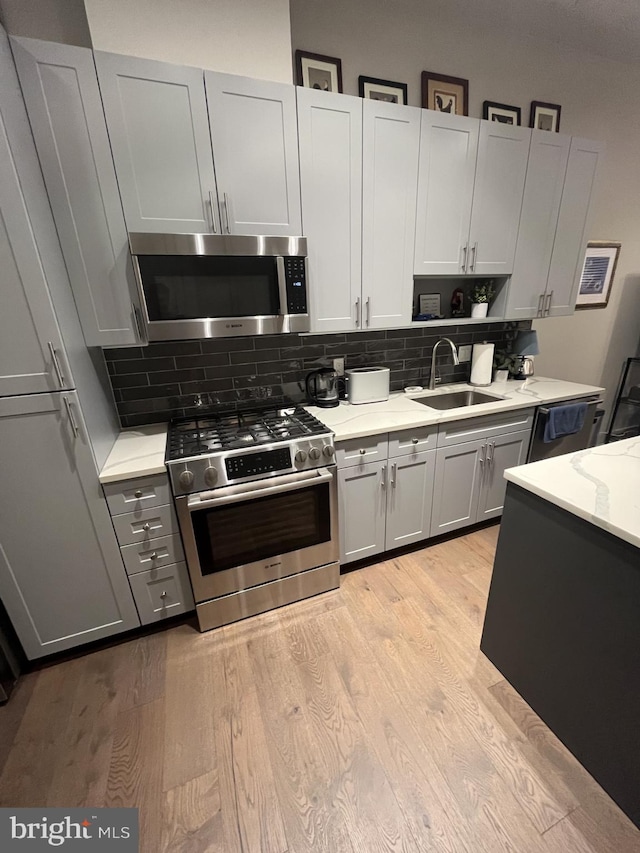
(338, 366)
(464, 353)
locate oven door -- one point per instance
(242, 536)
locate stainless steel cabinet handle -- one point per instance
(56, 363)
(138, 493)
(357, 311)
(146, 526)
(393, 475)
(483, 451)
(163, 594)
(414, 441)
(362, 451)
(540, 301)
(474, 252)
(212, 205)
(383, 477)
(153, 555)
(465, 249)
(72, 420)
(490, 448)
(226, 212)
(547, 306)
(368, 304)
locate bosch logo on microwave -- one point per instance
(234, 325)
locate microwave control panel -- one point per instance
(296, 283)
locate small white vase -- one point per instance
(479, 309)
(501, 376)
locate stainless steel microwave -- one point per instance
(210, 286)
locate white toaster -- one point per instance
(367, 384)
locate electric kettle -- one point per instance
(322, 387)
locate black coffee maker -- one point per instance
(323, 388)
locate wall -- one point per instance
(600, 99)
(248, 37)
(52, 20)
(160, 381)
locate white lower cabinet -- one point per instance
(409, 495)
(362, 510)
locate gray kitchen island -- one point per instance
(563, 616)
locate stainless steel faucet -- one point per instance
(454, 353)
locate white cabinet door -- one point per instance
(573, 227)
(391, 141)
(502, 452)
(362, 499)
(255, 151)
(61, 92)
(546, 170)
(32, 358)
(159, 131)
(330, 138)
(457, 486)
(62, 580)
(503, 151)
(448, 150)
(409, 496)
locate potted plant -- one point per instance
(504, 364)
(481, 295)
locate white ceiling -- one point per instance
(608, 28)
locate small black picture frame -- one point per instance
(503, 113)
(545, 116)
(382, 90)
(316, 71)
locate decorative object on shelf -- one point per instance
(445, 94)
(457, 303)
(525, 346)
(545, 116)
(598, 270)
(382, 90)
(319, 72)
(429, 303)
(501, 112)
(481, 295)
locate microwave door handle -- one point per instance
(223, 496)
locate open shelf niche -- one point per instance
(445, 286)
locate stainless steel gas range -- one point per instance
(256, 499)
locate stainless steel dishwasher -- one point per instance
(538, 449)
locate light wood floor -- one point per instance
(364, 720)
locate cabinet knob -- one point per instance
(154, 555)
(362, 451)
(146, 526)
(414, 441)
(138, 493)
(163, 594)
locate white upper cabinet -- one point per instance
(503, 152)
(330, 137)
(546, 170)
(391, 141)
(572, 232)
(255, 151)
(157, 119)
(32, 358)
(448, 150)
(61, 93)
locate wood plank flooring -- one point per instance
(363, 720)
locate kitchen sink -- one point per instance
(457, 399)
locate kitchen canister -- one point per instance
(482, 364)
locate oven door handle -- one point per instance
(235, 494)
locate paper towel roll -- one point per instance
(482, 364)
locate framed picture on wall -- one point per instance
(382, 90)
(319, 72)
(445, 94)
(598, 271)
(545, 116)
(501, 112)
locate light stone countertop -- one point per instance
(600, 484)
(140, 452)
(136, 453)
(402, 411)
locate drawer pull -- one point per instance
(414, 441)
(146, 526)
(154, 555)
(362, 451)
(163, 594)
(138, 493)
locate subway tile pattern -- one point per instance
(164, 380)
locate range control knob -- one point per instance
(210, 476)
(314, 453)
(301, 457)
(329, 451)
(186, 479)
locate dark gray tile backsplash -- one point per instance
(161, 381)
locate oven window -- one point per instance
(186, 287)
(233, 535)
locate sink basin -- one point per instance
(457, 399)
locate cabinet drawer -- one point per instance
(412, 441)
(163, 592)
(145, 524)
(134, 495)
(156, 552)
(485, 426)
(357, 451)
